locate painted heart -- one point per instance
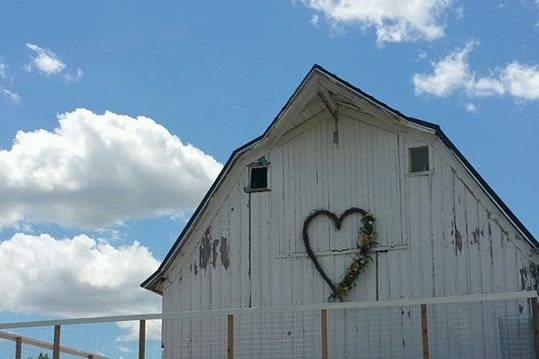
(365, 242)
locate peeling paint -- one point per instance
(223, 249)
(491, 252)
(534, 274)
(204, 250)
(214, 246)
(458, 240)
(523, 278)
(475, 235)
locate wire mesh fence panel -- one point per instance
(195, 336)
(107, 340)
(32, 342)
(279, 334)
(516, 336)
(483, 329)
(482, 326)
(393, 332)
(102, 340)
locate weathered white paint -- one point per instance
(439, 233)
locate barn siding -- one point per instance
(444, 236)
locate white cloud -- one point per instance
(153, 330)
(452, 74)
(459, 13)
(486, 86)
(3, 68)
(10, 95)
(315, 20)
(96, 170)
(449, 74)
(470, 107)
(394, 20)
(74, 77)
(44, 60)
(75, 276)
(522, 81)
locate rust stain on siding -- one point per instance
(223, 250)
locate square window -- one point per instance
(258, 179)
(419, 159)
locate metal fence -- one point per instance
(477, 326)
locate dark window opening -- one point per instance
(259, 178)
(419, 159)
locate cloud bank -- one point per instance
(452, 74)
(76, 276)
(393, 20)
(94, 171)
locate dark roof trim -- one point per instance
(148, 283)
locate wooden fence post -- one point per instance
(230, 336)
(535, 318)
(324, 333)
(425, 331)
(142, 339)
(56, 343)
(18, 348)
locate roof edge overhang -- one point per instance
(157, 277)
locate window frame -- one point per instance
(267, 188)
(409, 160)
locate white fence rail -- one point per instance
(502, 325)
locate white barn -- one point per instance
(441, 230)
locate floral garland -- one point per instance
(366, 240)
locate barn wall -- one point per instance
(439, 233)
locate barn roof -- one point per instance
(151, 282)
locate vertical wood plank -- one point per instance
(425, 331)
(18, 348)
(230, 336)
(535, 317)
(142, 339)
(56, 345)
(324, 333)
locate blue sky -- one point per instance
(214, 75)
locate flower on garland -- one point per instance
(366, 240)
